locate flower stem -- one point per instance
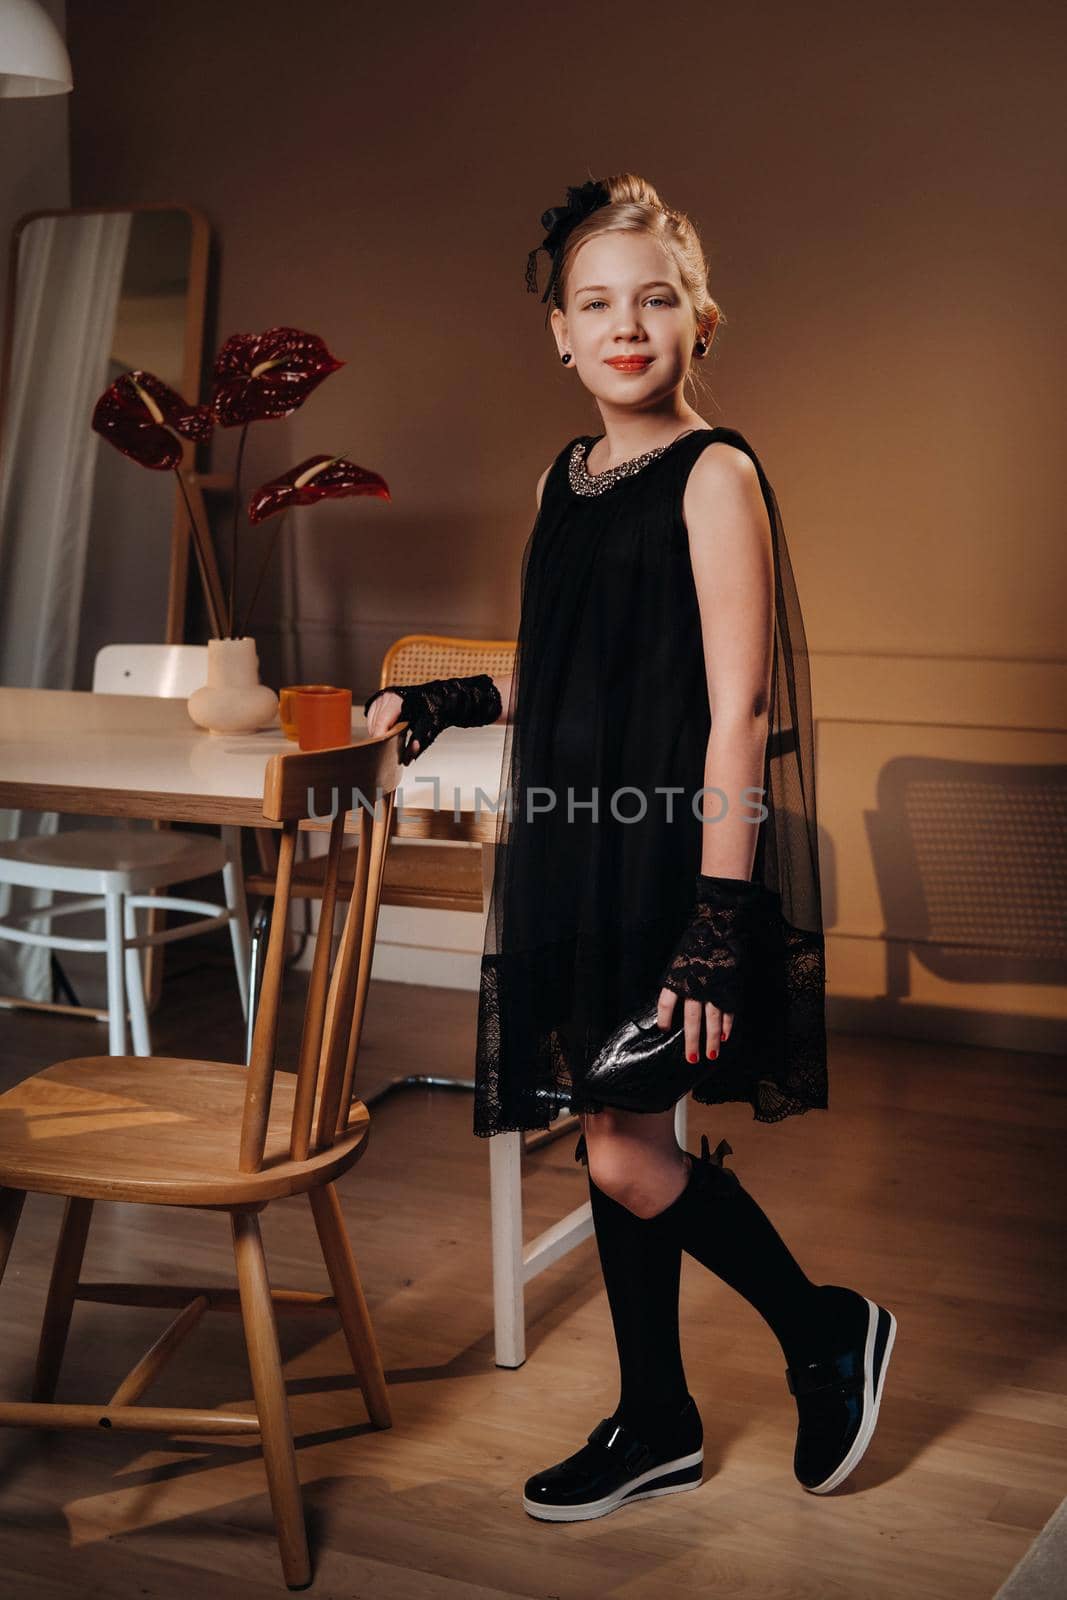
(201, 557)
(231, 609)
(263, 571)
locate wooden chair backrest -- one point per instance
(361, 779)
(417, 657)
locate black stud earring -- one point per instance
(565, 357)
(702, 348)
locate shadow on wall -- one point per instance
(970, 859)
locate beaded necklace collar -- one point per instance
(582, 481)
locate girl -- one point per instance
(658, 765)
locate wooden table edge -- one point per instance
(153, 806)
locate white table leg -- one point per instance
(116, 988)
(514, 1265)
(505, 1196)
(142, 1039)
(681, 1120)
(505, 1212)
(233, 879)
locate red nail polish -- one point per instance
(692, 1058)
(712, 1055)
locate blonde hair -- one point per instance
(636, 207)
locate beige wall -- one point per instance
(881, 193)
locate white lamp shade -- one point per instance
(33, 57)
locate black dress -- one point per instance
(596, 857)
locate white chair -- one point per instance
(116, 870)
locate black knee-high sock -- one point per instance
(641, 1261)
(721, 1226)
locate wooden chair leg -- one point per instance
(348, 1292)
(268, 1386)
(10, 1211)
(66, 1269)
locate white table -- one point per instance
(128, 756)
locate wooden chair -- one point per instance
(222, 1137)
(448, 877)
(438, 877)
(434, 876)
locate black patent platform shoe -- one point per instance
(838, 1399)
(615, 1467)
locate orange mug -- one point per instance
(323, 717)
(287, 705)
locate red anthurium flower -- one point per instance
(317, 478)
(140, 416)
(261, 375)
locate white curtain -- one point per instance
(70, 272)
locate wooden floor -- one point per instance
(934, 1184)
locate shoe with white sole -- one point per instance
(615, 1467)
(838, 1399)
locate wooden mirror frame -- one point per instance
(196, 482)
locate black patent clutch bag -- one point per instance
(643, 1067)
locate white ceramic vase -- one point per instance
(233, 700)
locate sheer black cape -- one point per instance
(609, 699)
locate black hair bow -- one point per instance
(559, 221)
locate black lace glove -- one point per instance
(429, 708)
(710, 961)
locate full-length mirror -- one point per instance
(92, 552)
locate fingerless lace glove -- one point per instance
(428, 708)
(711, 958)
